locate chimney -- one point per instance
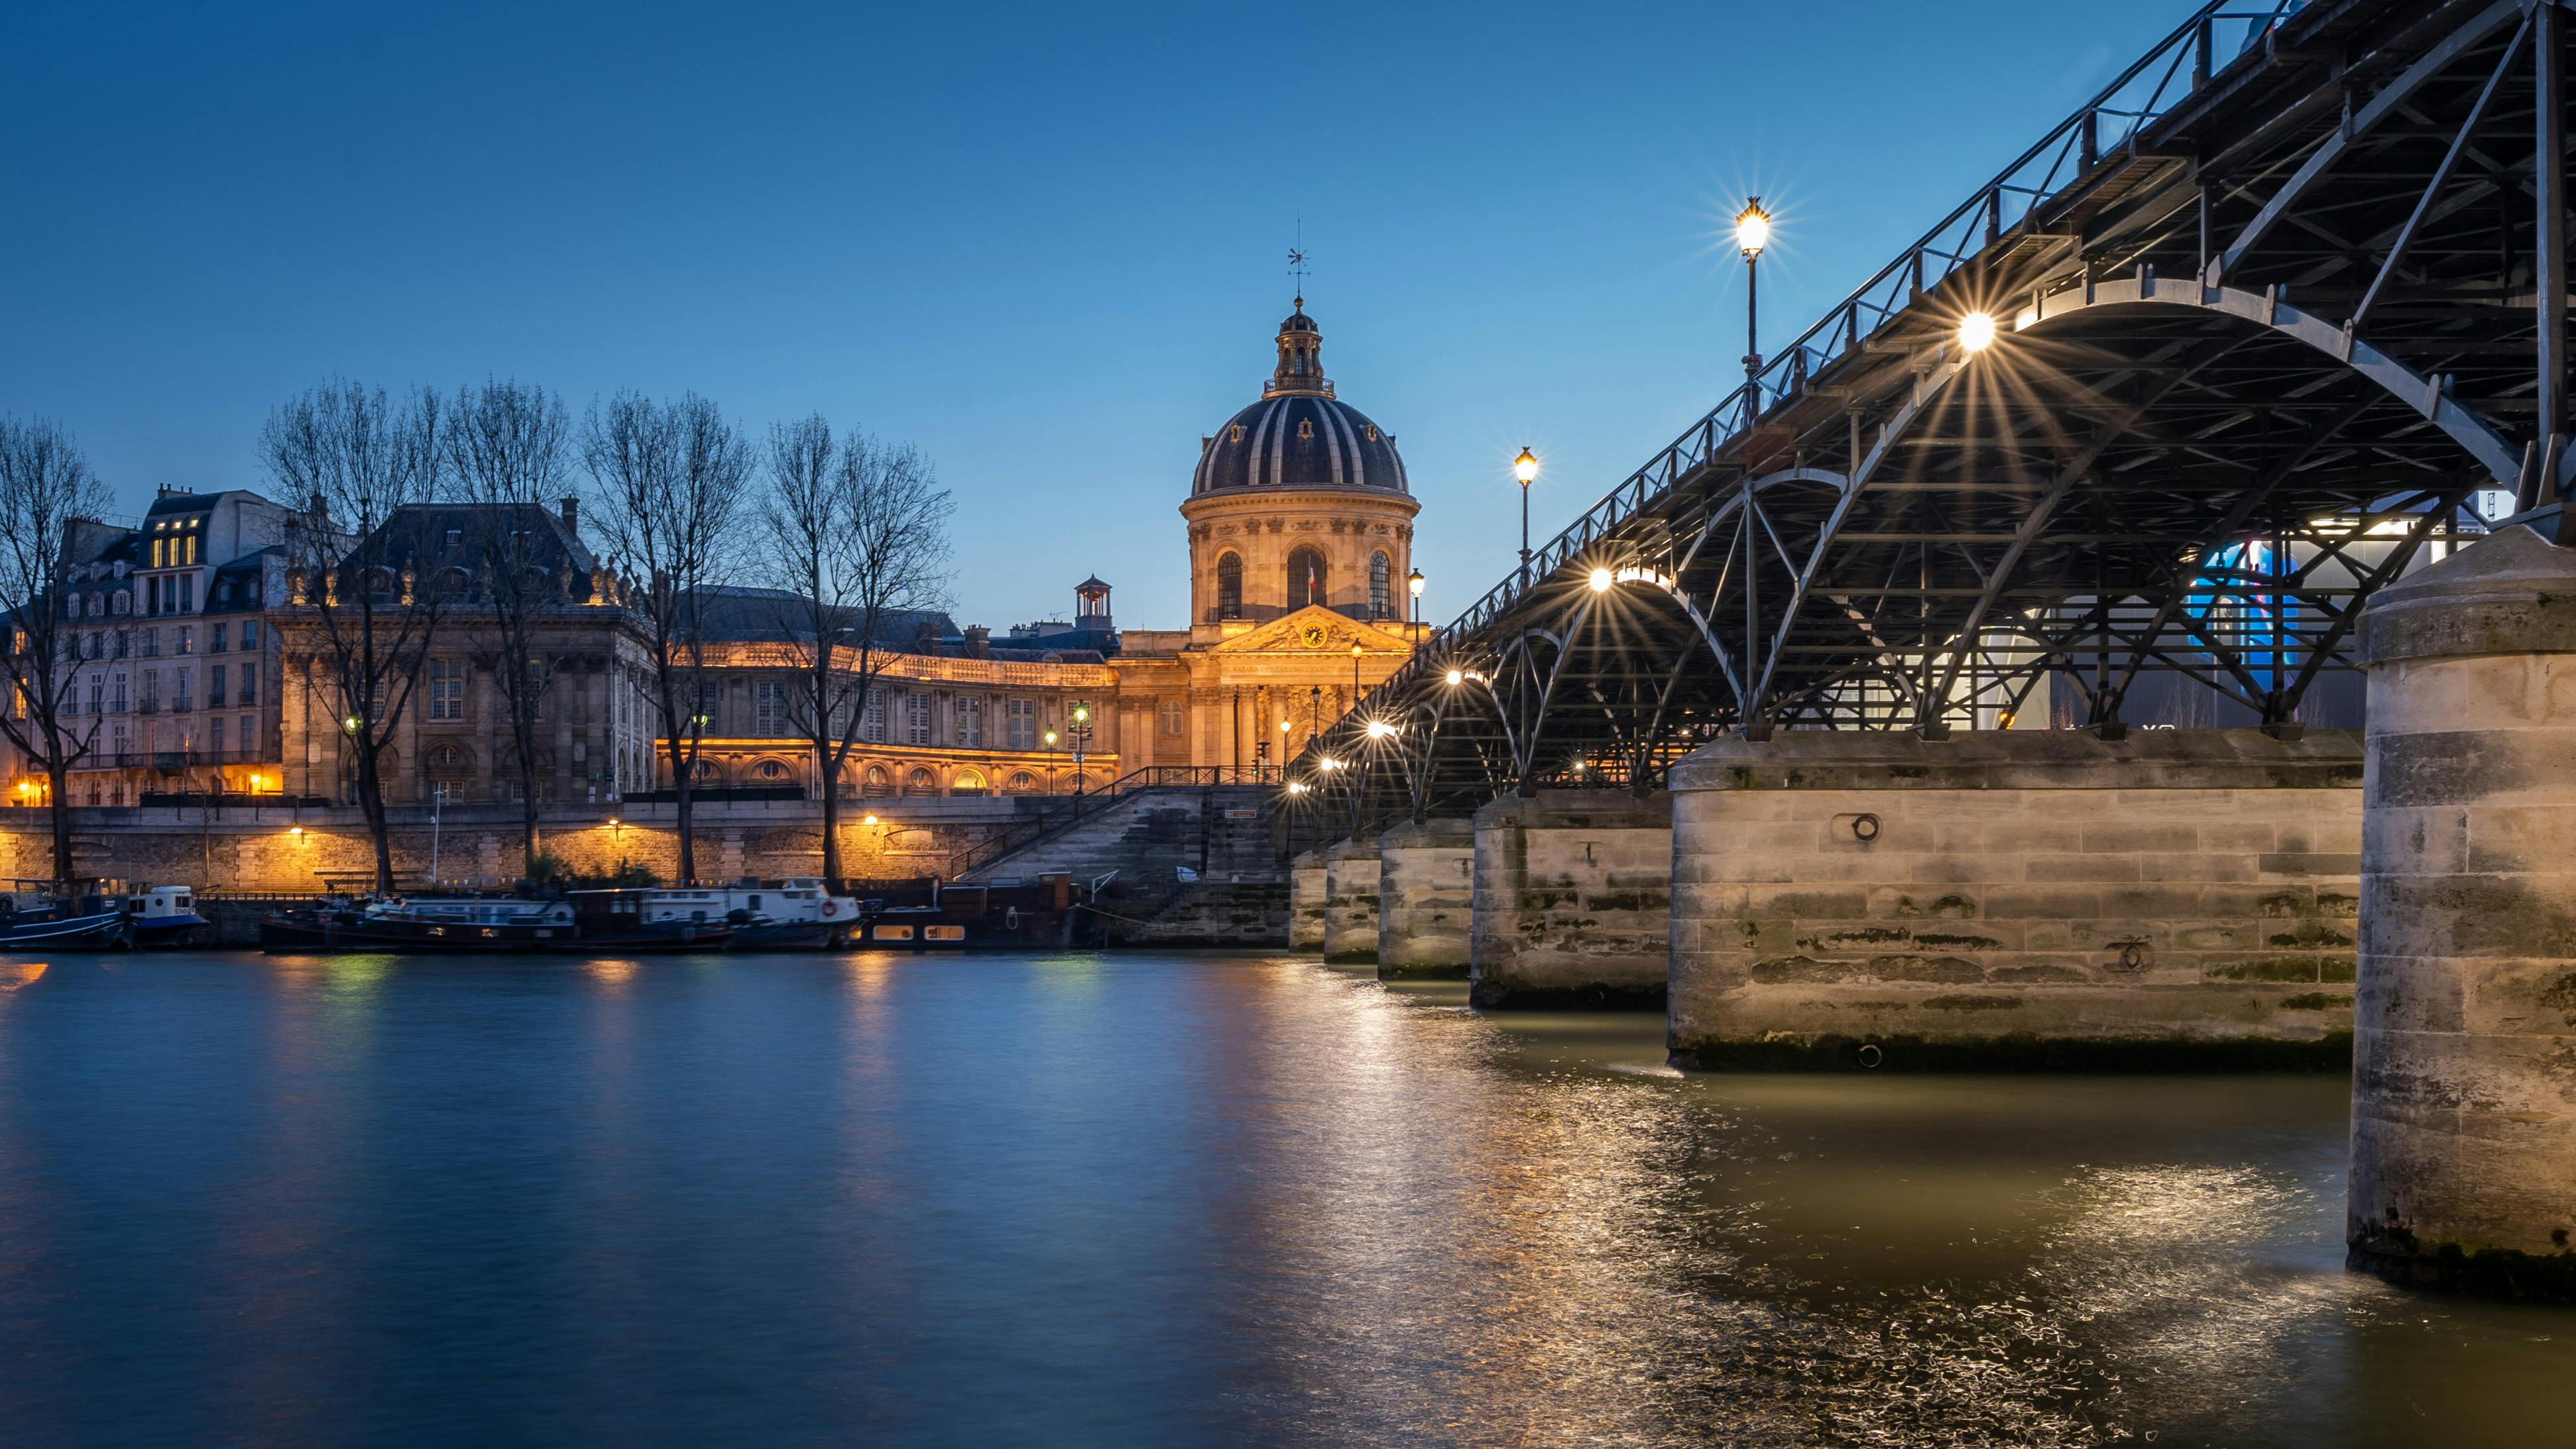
(572, 516)
(979, 642)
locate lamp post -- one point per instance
(1752, 233)
(1050, 744)
(1525, 468)
(1413, 586)
(1355, 676)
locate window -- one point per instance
(215, 734)
(151, 643)
(151, 700)
(96, 688)
(189, 585)
(248, 740)
(1305, 427)
(1023, 783)
(179, 697)
(916, 718)
(970, 722)
(769, 709)
(216, 645)
(214, 686)
(710, 696)
(116, 694)
(123, 603)
(446, 757)
(1022, 716)
(877, 781)
(1379, 595)
(919, 782)
(187, 639)
(249, 685)
(1176, 714)
(160, 551)
(872, 718)
(968, 783)
(188, 591)
(1305, 578)
(250, 633)
(1229, 586)
(770, 770)
(446, 689)
(703, 770)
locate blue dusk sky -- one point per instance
(1045, 244)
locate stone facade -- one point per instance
(1573, 899)
(1425, 899)
(2016, 899)
(1350, 902)
(2464, 1098)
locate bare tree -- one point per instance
(509, 448)
(45, 489)
(668, 481)
(856, 532)
(357, 464)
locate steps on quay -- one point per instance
(1222, 832)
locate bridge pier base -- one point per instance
(1306, 895)
(1350, 901)
(2464, 1103)
(1425, 900)
(2016, 900)
(1573, 900)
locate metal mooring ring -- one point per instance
(1870, 1055)
(1864, 828)
(2133, 956)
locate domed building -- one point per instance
(1300, 543)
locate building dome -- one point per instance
(1299, 435)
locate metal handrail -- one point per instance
(2066, 153)
(1085, 807)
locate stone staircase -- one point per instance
(1223, 832)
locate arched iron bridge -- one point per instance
(2279, 315)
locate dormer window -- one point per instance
(1372, 432)
(1305, 427)
(1237, 431)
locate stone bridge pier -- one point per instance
(1350, 901)
(1425, 899)
(1573, 900)
(2016, 899)
(2464, 1069)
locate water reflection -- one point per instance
(1139, 1201)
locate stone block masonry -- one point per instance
(1306, 904)
(2464, 1064)
(2016, 899)
(1573, 900)
(1350, 902)
(1425, 900)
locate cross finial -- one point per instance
(1297, 263)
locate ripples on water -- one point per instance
(1143, 1200)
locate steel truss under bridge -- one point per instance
(2278, 316)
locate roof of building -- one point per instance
(1299, 435)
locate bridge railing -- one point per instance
(2220, 35)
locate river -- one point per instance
(1143, 1200)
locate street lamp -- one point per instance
(1752, 233)
(1413, 586)
(1050, 744)
(1355, 676)
(1976, 332)
(1525, 468)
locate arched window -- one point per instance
(1380, 598)
(1229, 586)
(446, 757)
(703, 770)
(1023, 783)
(1305, 577)
(969, 782)
(771, 770)
(876, 781)
(919, 782)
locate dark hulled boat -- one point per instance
(34, 916)
(1035, 914)
(585, 922)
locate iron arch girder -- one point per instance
(2475, 435)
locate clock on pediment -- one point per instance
(1312, 636)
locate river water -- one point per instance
(1143, 1200)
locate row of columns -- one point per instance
(2403, 899)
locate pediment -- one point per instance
(1314, 630)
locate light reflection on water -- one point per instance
(1143, 1200)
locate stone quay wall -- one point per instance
(2021, 899)
(281, 850)
(1350, 901)
(2464, 1064)
(1425, 900)
(1573, 900)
